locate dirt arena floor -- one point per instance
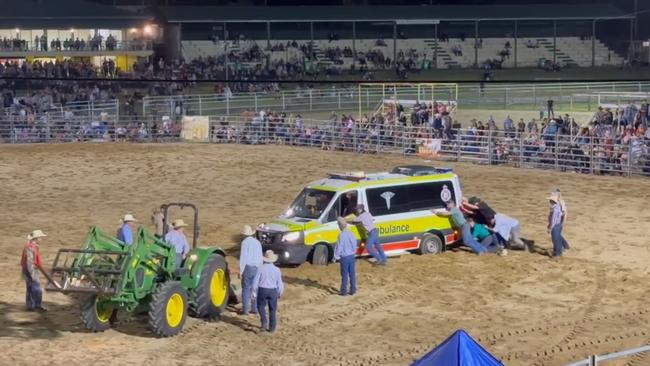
(524, 308)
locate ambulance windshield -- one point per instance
(309, 204)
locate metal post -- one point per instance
(591, 155)
(435, 42)
(225, 48)
(629, 158)
(200, 107)
(310, 100)
(554, 40)
(593, 43)
(395, 43)
(515, 48)
(505, 99)
(255, 97)
(534, 96)
(458, 155)
(227, 105)
(284, 107)
(268, 35)
(339, 94)
(476, 43)
(354, 43)
(557, 157)
(593, 360)
(489, 146)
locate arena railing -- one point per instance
(81, 129)
(579, 154)
(567, 96)
(594, 360)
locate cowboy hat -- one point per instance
(129, 218)
(270, 256)
(178, 223)
(247, 230)
(553, 197)
(36, 234)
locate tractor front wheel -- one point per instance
(168, 309)
(212, 294)
(95, 314)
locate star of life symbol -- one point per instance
(445, 194)
(387, 197)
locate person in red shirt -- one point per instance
(32, 263)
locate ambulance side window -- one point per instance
(344, 205)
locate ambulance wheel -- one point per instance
(320, 255)
(430, 244)
(95, 314)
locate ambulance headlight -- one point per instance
(292, 237)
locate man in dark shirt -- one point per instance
(481, 212)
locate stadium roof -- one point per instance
(65, 13)
(206, 14)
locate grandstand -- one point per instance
(447, 36)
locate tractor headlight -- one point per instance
(291, 237)
(193, 257)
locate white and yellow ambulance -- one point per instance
(401, 201)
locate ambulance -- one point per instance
(401, 201)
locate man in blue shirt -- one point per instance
(177, 239)
(345, 253)
(125, 232)
(555, 225)
(267, 288)
(250, 260)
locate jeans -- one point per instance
(374, 248)
(34, 293)
(469, 241)
(267, 297)
(348, 274)
(247, 289)
(179, 260)
(557, 239)
(491, 243)
(565, 244)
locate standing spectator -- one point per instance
(158, 219)
(555, 225)
(250, 260)
(549, 108)
(267, 289)
(31, 263)
(345, 253)
(125, 232)
(178, 240)
(373, 246)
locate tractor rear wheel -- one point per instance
(210, 297)
(95, 314)
(168, 309)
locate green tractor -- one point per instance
(143, 278)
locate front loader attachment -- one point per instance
(97, 268)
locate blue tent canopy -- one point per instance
(458, 350)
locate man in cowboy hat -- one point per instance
(31, 263)
(177, 239)
(373, 246)
(555, 225)
(250, 260)
(267, 288)
(125, 232)
(345, 253)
